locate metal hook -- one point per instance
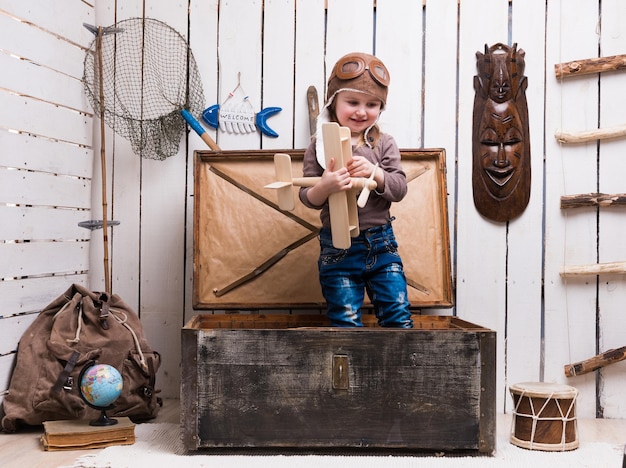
(104, 31)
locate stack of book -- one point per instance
(78, 434)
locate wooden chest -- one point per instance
(289, 381)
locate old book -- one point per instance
(78, 434)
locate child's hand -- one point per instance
(335, 181)
(330, 182)
(358, 166)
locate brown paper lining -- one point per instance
(248, 254)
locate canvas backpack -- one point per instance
(78, 329)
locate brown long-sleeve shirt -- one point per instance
(376, 211)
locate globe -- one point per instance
(101, 385)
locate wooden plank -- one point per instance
(350, 28)
(440, 59)
(492, 237)
(397, 47)
(43, 258)
(189, 385)
(439, 107)
(282, 321)
(26, 78)
(309, 65)
(488, 385)
(42, 223)
(43, 119)
(203, 36)
(7, 361)
(481, 258)
(51, 171)
(24, 151)
(569, 317)
(13, 327)
(163, 190)
(36, 188)
(31, 43)
(611, 248)
(525, 234)
(63, 19)
(240, 54)
(278, 71)
(24, 296)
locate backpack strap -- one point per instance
(64, 381)
(103, 304)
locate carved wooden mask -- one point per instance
(500, 137)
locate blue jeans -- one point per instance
(372, 264)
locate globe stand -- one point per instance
(103, 420)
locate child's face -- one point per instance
(357, 111)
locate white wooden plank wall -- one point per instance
(611, 289)
(46, 160)
(506, 275)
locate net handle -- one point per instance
(199, 129)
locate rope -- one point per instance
(65, 306)
(76, 338)
(123, 322)
(119, 315)
(79, 324)
(564, 418)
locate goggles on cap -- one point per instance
(353, 66)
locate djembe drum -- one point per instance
(544, 416)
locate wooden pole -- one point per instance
(613, 268)
(596, 362)
(592, 199)
(591, 135)
(105, 228)
(588, 66)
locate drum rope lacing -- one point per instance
(564, 418)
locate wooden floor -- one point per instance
(24, 449)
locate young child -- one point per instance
(357, 93)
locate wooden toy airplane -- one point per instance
(344, 222)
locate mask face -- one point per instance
(500, 141)
(501, 149)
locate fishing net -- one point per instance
(148, 76)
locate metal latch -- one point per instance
(341, 379)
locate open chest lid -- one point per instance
(249, 254)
